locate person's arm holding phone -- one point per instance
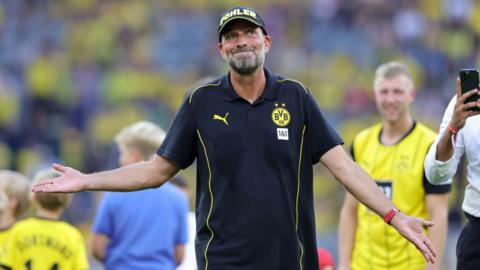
(461, 112)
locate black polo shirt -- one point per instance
(254, 203)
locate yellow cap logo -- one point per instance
(280, 115)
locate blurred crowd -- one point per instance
(74, 72)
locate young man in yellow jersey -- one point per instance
(392, 152)
(16, 188)
(43, 241)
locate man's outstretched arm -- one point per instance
(141, 175)
(360, 185)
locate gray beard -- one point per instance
(244, 66)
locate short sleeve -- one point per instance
(180, 141)
(321, 134)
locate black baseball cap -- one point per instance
(237, 13)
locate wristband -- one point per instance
(454, 133)
(452, 129)
(390, 214)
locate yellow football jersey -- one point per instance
(398, 171)
(45, 244)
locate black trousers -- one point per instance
(468, 245)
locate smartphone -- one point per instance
(468, 81)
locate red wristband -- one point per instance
(452, 129)
(390, 214)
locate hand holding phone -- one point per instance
(469, 80)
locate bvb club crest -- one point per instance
(280, 115)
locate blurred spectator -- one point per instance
(44, 241)
(16, 189)
(124, 237)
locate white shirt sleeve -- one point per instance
(441, 172)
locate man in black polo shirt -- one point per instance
(256, 137)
